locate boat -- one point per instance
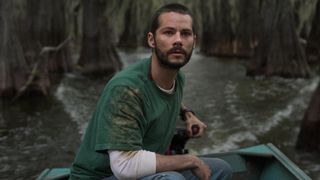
(259, 162)
(262, 162)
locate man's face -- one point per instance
(174, 40)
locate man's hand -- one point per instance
(183, 162)
(191, 120)
(203, 172)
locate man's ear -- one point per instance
(151, 41)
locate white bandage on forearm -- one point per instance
(132, 164)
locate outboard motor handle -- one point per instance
(195, 129)
(180, 139)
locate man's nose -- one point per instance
(177, 40)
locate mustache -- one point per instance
(177, 50)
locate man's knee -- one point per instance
(220, 168)
(226, 169)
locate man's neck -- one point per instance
(162, 76)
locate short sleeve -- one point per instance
(120, 120)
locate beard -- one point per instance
(163, 57)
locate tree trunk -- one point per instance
(46, 27)
(13, 67)
(216, 30)
(130, 36)
(98, 53)
(246, 30)
(309, 138)
(313, 42)
(279, 52)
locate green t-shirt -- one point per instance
(132, 114)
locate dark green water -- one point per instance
(238, 110)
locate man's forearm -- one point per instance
(136, 164)
(185, 112)
(176, 162)
(183, 162)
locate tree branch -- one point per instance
(44, 50)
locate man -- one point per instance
(136, 115)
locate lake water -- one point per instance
(239, 111)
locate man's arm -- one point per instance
(132, 164)
(183, 162)
(191, 119)
(136, 164)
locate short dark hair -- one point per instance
(172, 7)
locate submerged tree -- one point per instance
(309, 138)
(130, 36)
(216, 28)
(45, 26)
(98, 53)
(313, 41)
(13, 67)
(246, 31)
(31, 32)
(279, 52)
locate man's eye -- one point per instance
(168, 33)
(186, 34)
